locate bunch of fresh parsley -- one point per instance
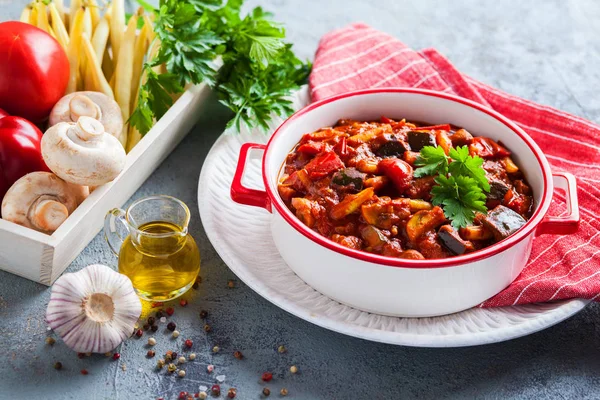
(461, 182)
(244, 59)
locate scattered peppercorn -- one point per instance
(181, 373)
(88, 354)
(171, 368)
(181, 360)
(169, 355)
(189, 343)
(154, 328)
(281, 349)
(266, 392)
(283, 392)
(238, 354)
(160, 363)
(58, 365)
(174, 355)
(170, 311)
(231, 284)
(207, 328)
(171, 326)
(108, 354)
(116, 356)
(267, 376)
(231, 393)
(192, 356)
(80, 355)
(183, 302)
(139, 333)
(50, 341)
(216, 390)
(84, 372)
(216, 349)
(146, 327)
(175, 334)
(202, 395)
(151, 341)
(203, 314)
(183, 395)
(150, 353)
(293, 369)
(151, 321)
(159, 314)
(210, 368)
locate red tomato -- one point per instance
(323, 164)
(400, 172)
(34, 71)
(487, 148)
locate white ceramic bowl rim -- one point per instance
(489, 251)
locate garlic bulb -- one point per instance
(93, 310)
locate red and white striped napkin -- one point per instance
(560, 267)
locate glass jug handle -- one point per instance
(111, 233)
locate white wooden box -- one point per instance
(42, 258)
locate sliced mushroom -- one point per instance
(83, 153)
(89, 104)
(41, 201)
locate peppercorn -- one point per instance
(58, 365)
(210, 368)
(267, 376)
(88, 354)
(171, 368)
(207, 328)
(80, 355)
(116, 356)
(189, 343)
(203, 314)
(50, 341)
(183, 395)
(238, 354)
(154, 328)
(151, 341)
(181, 360)
(202, 395)
(84, 372)
(139, 333)
(266, 392)
(192, 356)
(216, 390)
(160, 363)
(183, 302)
(108, 354)
(174, 355)
(231, 284)
(159, 314)
(175, 334)
(216, 349)
(281, 349)
(283, 392)
(293, 369)
(170, 311)
(171, 326)
(181, 373)
(146, 327)
(169, 355)
(231, 393)
(150, 353)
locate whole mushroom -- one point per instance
(41, 201)
(83, 153)
(89, 104)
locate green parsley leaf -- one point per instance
(432, 160)
(464, 165)
(460, 197)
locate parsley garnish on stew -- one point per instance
(245, 60)
(461, 182)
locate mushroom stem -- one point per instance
(82, 106)
(99, 307)
(47, 215)
(88, 128)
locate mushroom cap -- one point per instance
(41, 201)
(83, 153)
(91, 104)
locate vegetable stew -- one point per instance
(405, 190)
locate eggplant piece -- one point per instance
(349, 178)
(497, 190)
(417, 140)
(452, 241)
(392, 148)
(503, 222)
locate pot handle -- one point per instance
(240, 193)
(568, 223)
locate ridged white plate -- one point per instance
(241, 235)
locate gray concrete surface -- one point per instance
(547, 51)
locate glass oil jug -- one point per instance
(154, 247)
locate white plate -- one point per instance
(241, 235)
